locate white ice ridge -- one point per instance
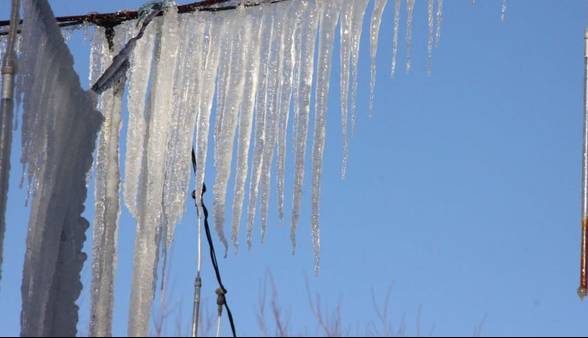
(59, 129)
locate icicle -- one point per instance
(246, 118)
(211, 50)
(503, 10)
(290, 44)
(328, 23)
(357, 28)
(107, 192)
(221, 86)
(395, 35)
(345, 55)
(409, 30)
(136, 135)
(178, 161)
(181, 129)
(260, 120)
(271, 116)
(150, 235)
(304, 86)
(379, 7)
(431, 34)
(57, 114)
(438, 22)
(238, 36)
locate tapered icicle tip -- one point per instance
(582, 292)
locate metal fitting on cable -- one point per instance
(8, 71)
(220, 300)
(196, 310)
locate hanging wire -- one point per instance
(198, 280)
(221, 291)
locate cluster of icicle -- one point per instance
(259, 68)
(59, 128)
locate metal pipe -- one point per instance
(9, 63)
(6, 113)
(196, 310)
(583, 289)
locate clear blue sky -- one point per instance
(463, 191)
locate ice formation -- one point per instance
(107, 208)
(395, 34)
(438, 22)
(329, 16)
(310, 19)
(57, 114)
(151, 230)
(261, 68)
(409, 32)
(503, 8)
(379, 7)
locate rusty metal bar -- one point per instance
(583, 289)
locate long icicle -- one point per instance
(210, 64)
(357, 28)
(345, 61)
(431, 34)
(438, 22)
(395, 35)
(378, 10)
(260, 122)
(409, 32)
(140, 72)
(239, 37)
(272, 117)
(107, 207)
(246, 123)
(290, 43)
(328, 24)
(149, 231)
(311, 17)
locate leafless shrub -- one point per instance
(274, 320)
(329, 321)
(279, 317)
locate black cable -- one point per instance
(222, 288)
